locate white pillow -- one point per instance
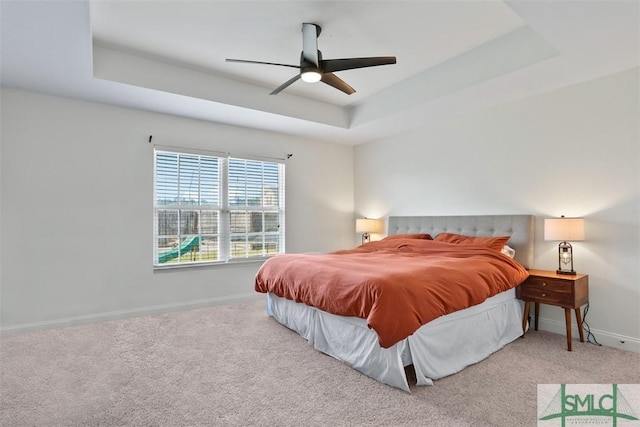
(508, 251)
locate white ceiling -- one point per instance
(452, 57)
(203, 34)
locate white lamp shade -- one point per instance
(367, 225)
(564, 229)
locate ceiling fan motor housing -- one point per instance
(308, 70)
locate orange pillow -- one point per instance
(409, 236)
(495, 243)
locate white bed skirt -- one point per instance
(442, 347)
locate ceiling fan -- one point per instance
(313, 68)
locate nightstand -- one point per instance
(547, 287)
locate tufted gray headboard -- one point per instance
(519, 227)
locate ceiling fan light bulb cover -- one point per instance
(311, 76)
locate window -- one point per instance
(212, 208)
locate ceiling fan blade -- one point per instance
(332, 65)
(285, 85)
(310, 33)
(246, 61)
(337, 82)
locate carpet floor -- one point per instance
(232, 365)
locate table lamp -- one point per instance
(564, 229)
(366, 226)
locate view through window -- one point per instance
(212, 208)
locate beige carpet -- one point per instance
(234, 366)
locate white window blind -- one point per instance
(210, 208)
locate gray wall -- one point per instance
(572, 152)
(77, 209)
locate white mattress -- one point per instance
(440, 348)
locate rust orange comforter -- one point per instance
(396, 285)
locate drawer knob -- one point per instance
(544, 295)
(544, 283)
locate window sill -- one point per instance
(218, 264)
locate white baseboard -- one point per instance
(605, 338)
(124, 314)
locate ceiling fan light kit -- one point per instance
(311, 76)
(313, 68)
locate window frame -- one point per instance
(224, 209)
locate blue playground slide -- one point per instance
(188, 244)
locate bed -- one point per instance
(437, 348)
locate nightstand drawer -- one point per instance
(543, 283)
(546, 295)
